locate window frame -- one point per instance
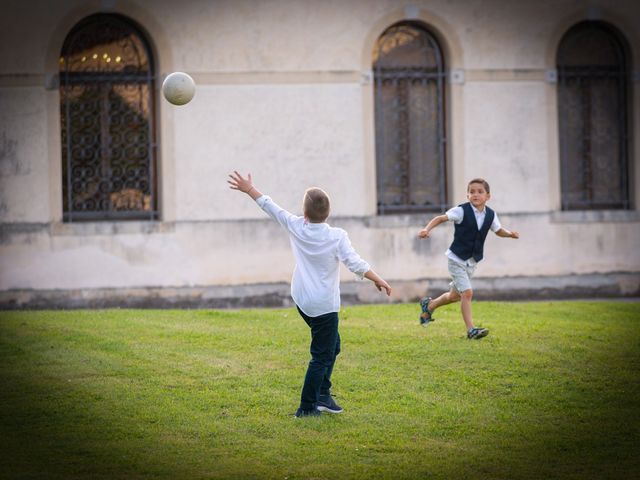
(587, 73)
(107, 80)
(440, 74)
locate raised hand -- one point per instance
(238, 182)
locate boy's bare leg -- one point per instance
(465, 306)
(446, 298)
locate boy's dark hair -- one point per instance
(481, 181)
(316, 205)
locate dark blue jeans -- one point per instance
(325, 347)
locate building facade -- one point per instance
(111, 196)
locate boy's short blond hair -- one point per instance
(482, 182)
(316, 205)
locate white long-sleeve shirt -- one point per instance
(318, 250)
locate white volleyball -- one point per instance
(178, 88)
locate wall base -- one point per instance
(593, 286)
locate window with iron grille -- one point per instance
(409, 82)
(107, 119)
(593, 98)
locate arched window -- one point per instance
(107, 118)
(409, 78)
(592, 106)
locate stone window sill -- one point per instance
(110, 228)
(595, 216)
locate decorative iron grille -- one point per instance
(409, 79)
(107, 118)
(592, 105)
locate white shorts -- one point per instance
(461, 275)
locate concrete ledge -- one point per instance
(592, 286)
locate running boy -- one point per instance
(315, 287)
(473, 220)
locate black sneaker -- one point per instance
(477, 333)
(308, 413)
(326, 403)
(425, 316)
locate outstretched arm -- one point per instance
(355, 264)
(426, 231)
(245, 185)
(379, 282)
(507, 234)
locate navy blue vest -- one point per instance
(468, 241)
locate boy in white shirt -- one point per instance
(315, 287)
(473, 220)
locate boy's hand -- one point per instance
(378, 281)
(507, 234)
(435, 221)
(237, 182)
(245, 185)
(424, 233)
(380, 284)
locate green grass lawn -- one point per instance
(552, 392)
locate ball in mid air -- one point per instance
(178, 88)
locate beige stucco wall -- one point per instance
(24, 168)
(284, 91)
